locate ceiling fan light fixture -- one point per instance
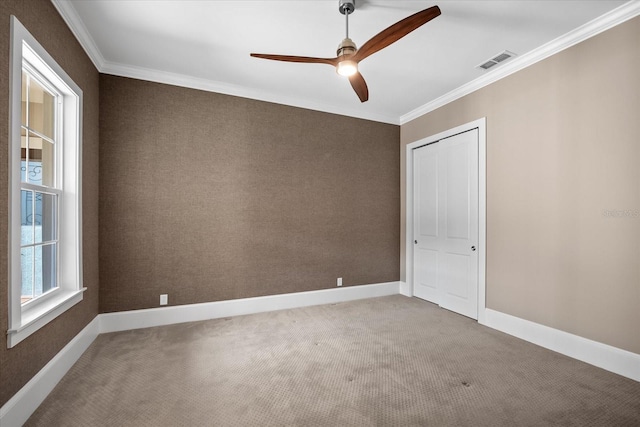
(348, 55)
(347, 67)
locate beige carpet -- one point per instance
(379, 362)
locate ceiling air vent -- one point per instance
(501, 57)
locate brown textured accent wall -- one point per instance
(19, 364)
(209, 197)
(563, 187)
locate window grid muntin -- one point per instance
(38, 134)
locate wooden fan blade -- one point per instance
(304, 59)
(360, 86)
(396, 32)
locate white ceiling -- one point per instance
(206, 44)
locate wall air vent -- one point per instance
(501, 57)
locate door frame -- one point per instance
(406, 288)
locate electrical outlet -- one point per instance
(164, 299)
(339, 281)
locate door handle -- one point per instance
(473, 248)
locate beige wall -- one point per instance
(563, 147)
(209, 197)
(19, 364)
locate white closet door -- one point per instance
(446, 223)
(426, 251)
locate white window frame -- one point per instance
(25, 319)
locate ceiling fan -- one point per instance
(348, 55)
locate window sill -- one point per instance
(38, 316)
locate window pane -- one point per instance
(26, 263)
(24, 99)
(48, 163)
(23, 142)
(23, 155)
(41, 109)
(40, 167)
(37, 278)
(23, 171)
(26, 217)
(45, 217)
(45, 269)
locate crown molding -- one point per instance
(235, 90)
(602, 23)
(77, 27)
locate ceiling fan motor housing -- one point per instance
(346, 47)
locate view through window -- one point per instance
(39, 193)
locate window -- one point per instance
(39, 188)
(45, 269)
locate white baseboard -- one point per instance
(604, 356)
(19, 408)
(136, 319)
(405, 289)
